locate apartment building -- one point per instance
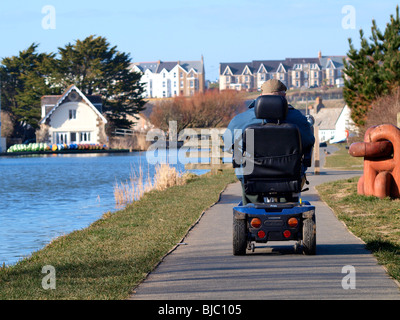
(294, 72)
(164, 79)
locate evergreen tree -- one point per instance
(24, 81)
(374, 69)
(96, 68)
(91, 64)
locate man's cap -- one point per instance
(272, 85)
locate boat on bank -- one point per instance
(44, 148)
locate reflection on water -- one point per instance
(43, 197)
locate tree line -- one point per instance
(373, 73)
(92, 64)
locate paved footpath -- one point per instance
(204, 267)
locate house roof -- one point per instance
(292, 61)
(288, 63)
(337, 61)
(62, 98)
(158, 66)
(52, 100)
(270, 65)
(326, 118)
(236, 67)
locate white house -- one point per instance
(335, 124)
(73, 118)
(343, 126)
(164, 79)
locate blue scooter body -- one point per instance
(273, 223)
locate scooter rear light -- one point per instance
(287, 233)
(255, 223)
(261, 234)
(293, 222)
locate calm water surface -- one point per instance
(43, 197)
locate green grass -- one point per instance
(342, 160)
(375, 221)
(109, 258)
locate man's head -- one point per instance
(273, 87)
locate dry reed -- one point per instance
(137, 185)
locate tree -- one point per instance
(96, 68)
(24, 81)
(374, 69)
(203, 110)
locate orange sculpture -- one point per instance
(381, 152)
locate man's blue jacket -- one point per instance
(248, 118)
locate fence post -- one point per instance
(216, 149)
(316, 151)
(398, 120)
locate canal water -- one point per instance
(43, 197)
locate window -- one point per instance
(73, 137)
(174, 74)
(163, 84)
(60, 137)
(315, 74)
(85, 137)
(72, 114)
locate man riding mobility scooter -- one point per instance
(273, 165)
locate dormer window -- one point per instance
(72, 114)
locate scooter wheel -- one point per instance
(239, 237)
(309, 236)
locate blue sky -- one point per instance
(220, 30)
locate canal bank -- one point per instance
(44, 196)
(67, 151)
(111, 256)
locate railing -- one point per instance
(206, 148)
(123, 132)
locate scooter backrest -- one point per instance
(271, 108)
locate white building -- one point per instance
(335, 124)
(73, 118)
(164, 79)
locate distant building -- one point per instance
(334, 124)
(294, 72)
(164, 79)
(72, 118)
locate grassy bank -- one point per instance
(109, 258)
(341, 160)
(375, 221)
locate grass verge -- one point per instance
(342, 160)
(110, 257)
(375, 221)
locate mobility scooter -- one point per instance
(273, 165)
